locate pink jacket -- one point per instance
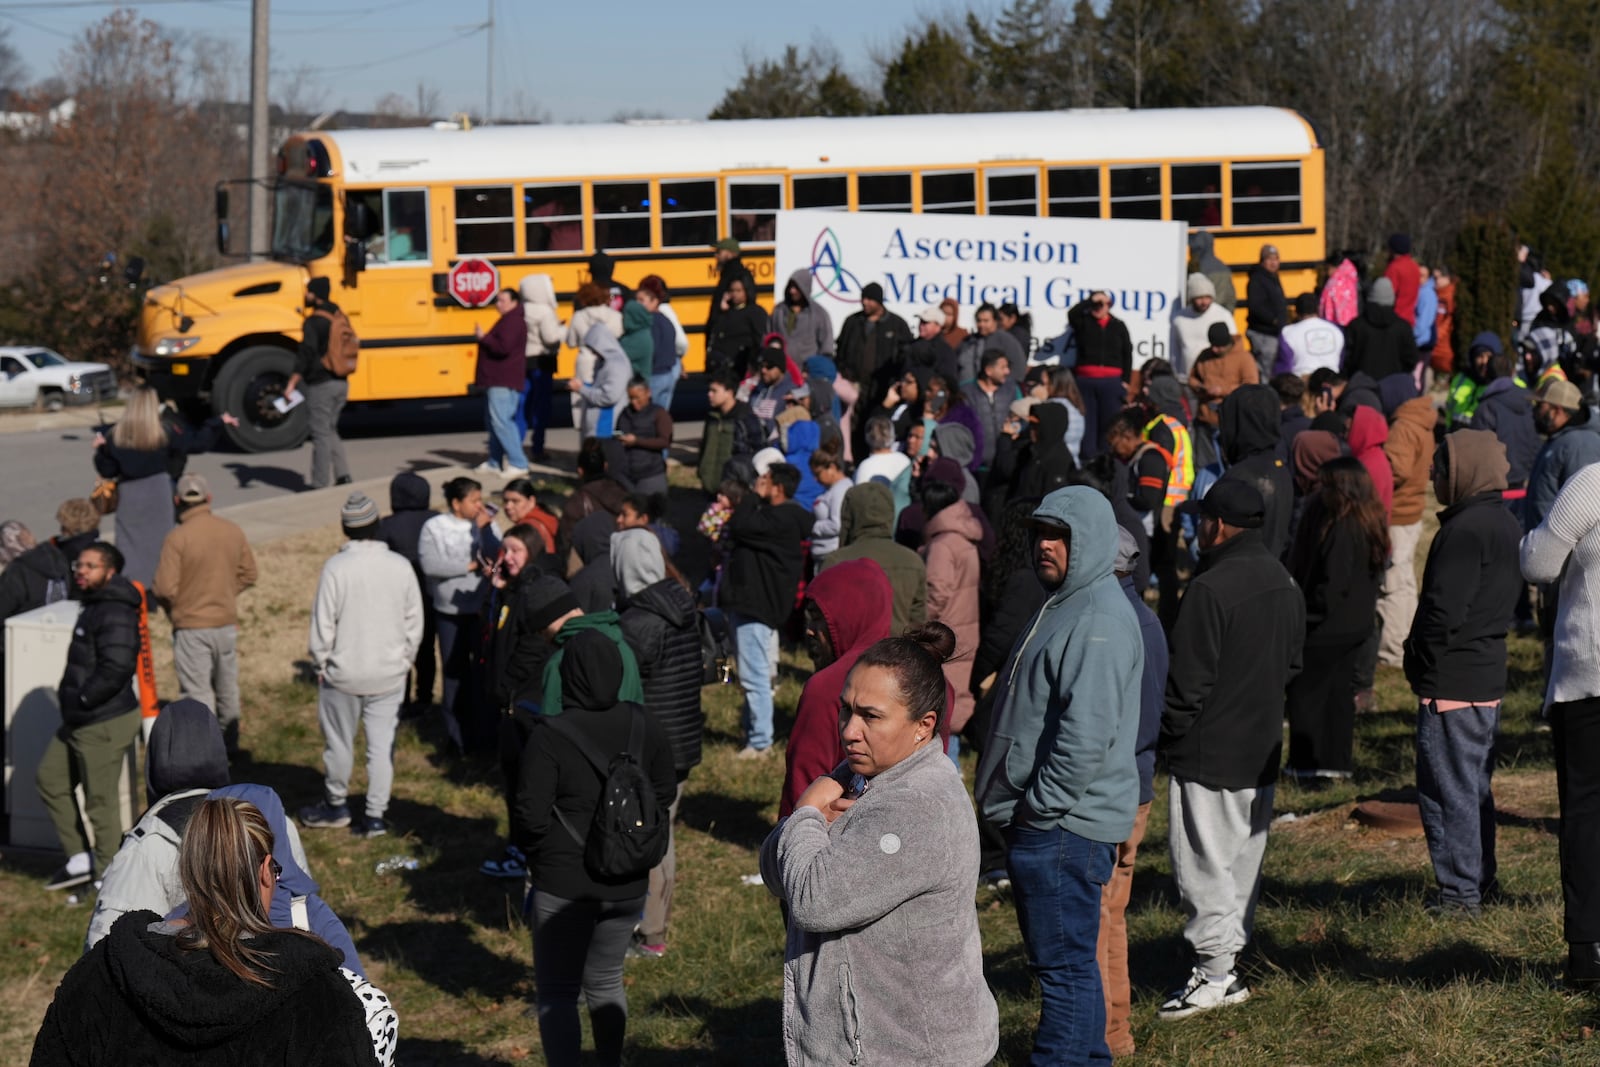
(1341, 296)
(951, 550)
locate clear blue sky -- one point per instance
(571, 61)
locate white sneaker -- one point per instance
(487, 468)
(1199, 994)
(514, 472)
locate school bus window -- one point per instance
(1266, 194)
(688, 214)
(553, 217)
(1013, 193)
(1074, 192)
(950, 193)
(822, 191)
(883, 192)
(1136, 192)
(1197, 193)
(302, 221)
(751, 207)
(486, 225)
(622, 215)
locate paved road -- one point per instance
(40, 468)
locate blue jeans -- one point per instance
(1455, 758)
(662, 386)
(504, 441)
(520, 419)
(753, 642)
(538, 408)
(1102, 401)
(1056, 878)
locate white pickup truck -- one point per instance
(38, 377)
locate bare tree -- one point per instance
(13, 74)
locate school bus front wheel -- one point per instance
(246, 387)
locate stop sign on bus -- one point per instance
(474, 282)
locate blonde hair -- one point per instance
(224, 844)
(140, 426)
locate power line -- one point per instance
(413, 52)
(39, 26)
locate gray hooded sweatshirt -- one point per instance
(807, 330)
(883, 962)
(609, 389)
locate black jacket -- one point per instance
(1101, 346)
(1335, 574)
(1292, 423)
(137, 998)
(767, 557)
(726, 273)
(935, 356)
(103, 656)
(1379, 343)
(736, 338)
(663, 628)
(314, 345)
(1248, 428)
(518, 650)
(1234, 648)
(25, 582)
(1019, 599)
(873, 371)
(1049, 463)
(594, 585)
(1505, 410)
(113, 461)
(408, 502)
(1266, 309)
(1457, 647)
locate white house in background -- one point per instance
(28, 122)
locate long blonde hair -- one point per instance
(224, 844)
(140, 427)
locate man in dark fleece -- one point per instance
(866, 531)
(1455, 660)
(1249, 425)
(408, 504)
(1505, 410)
(1379, 342)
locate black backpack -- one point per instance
(628, 835)
(716, 648)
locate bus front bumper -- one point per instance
(173, 377)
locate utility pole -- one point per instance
(488, 96)
(260, 235)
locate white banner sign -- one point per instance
(1042, 265)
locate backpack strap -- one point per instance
(591, 753)
(299, 914)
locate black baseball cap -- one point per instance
(1232, 501)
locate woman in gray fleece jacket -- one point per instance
(883, 962)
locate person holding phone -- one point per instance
(883, 962)
(452, 549)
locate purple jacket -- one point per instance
(502, 353)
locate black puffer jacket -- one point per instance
(1250, 420)
(153, 1002)
(765, 566)
(408, 500)
(104, 654)
(663, 628)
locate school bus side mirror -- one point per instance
(355, 258)
(222, 237)
(222, 203)
(359, 222)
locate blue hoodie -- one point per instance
(800, 440)
(1066, 713)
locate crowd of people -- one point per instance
(1078, 569)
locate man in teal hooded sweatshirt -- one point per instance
(1058, 774)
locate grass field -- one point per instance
(1347, 967)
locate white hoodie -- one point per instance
(539, 312)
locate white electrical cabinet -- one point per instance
(36, 654)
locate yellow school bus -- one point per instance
(386, 214)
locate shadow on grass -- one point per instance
(423, 1052)
(446, 955)
(1435, 968)
(746, 1032)
(736, 822)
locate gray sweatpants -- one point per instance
(341, 714)
(663, 879)
(207, 662)
(324, 401)
(1218, 839)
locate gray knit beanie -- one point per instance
(359, 511)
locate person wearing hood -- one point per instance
(1267, 311)
(1410, 454)
(843, 611)
(954, 440)
(1472, 376)
(502, 375)
(1455, 660)
(952, 334)
(1379, 343)
(1046, 463)
(826, 409)
(583, 924)
(43, 574)
(1223, 366)
(949, 410)
(1367, 437)
(1249, 437)
(950, 552)
(542, 317)
(1311, 450)
(910, 527)
(1191, 323)
(184, 760)
(1361, 390)
(1235, 647)
(402, 532)
(99, 717)
(1340, 301)
(803, 324)
(366, 624)
(605, 395)
(867, 532)
(1504, 409)
(767, 532)
(668, 342)
(1402, 273)
(1058, 772)
(636, 340)
(800, 441)
(1562, 549)
(730, 268)
(734, 343)
(662, 626)
(1113, 940)
(221, 984)
(591, 307)
(1204, 258)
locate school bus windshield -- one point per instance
(302, 222)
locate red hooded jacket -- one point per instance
(1368, 433)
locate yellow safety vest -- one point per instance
(1181, 478)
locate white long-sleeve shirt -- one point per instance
(366, 622)
(1569, 538)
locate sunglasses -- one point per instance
(276, 868)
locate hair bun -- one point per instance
(935, 638)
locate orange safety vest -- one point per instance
(1180, 461)
(146, 670)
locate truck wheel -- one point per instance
(51, 400)
(246, 386)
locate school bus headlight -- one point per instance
(171, 346)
